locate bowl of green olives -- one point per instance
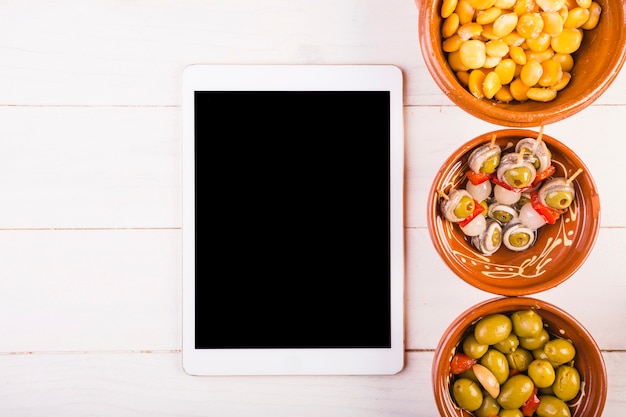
(522, 63)
(513, 212)
(518, 357)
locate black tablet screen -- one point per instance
(292, 219)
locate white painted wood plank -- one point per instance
(111, 52)
(86, 167)
(594, 295)
(130, 384)
(90, 290)
(97, 290)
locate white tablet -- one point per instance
(293, 255)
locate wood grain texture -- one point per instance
(90, 213)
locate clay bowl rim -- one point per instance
(592, 369)
(486, 273)
(574, 98)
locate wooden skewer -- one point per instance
(574, 175)
(443, 195)
(540, 135)
(493, 141)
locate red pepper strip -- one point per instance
(549, 214)
(501, 183)
(477, 177)
(542, 175)
(478, 208)
(530, 406)
(461, 363)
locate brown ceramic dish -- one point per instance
(596, 64)
(588, 360)
(560, 249)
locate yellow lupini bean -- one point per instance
(531, 72)
(505, 4)
(506, 70)
(594, 16)
(552, 23)
(518, 90)
(472, 53)
(530, 25)
(568, 41)
(453, 43)
(541, 94)
(550, 5)
(447, 7)
(485, 17)
(504, 94)
(576, 17)
(517, 54)
(470, 30)
(491, 84)
(540, 43)
(505, 24)
(564, 81)
(450, 25)
(566, 61)
(482, 4)
(552, 73)
(515, 50)
(497, 47)
(465, 11)
(475, 83)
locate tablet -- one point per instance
(293, 255)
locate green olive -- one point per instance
(485, 207)
(535, 342)
(496, 362)
(526, 323)
(490, 164)
(550, 406)
(502, 216)
(520, 359)
(518, 177)
(559, 350)
(542, 373)
(492, 329)
(472, 348)
(567, 383)
(508, 345)
(511, 413)
(489, 407)
(467, 394)
(519, 239)
(559, 199)
(496, 237)
(515, 391)
(465, 207)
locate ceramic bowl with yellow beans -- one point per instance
(513, 212)
(523, 63)
(489, 362)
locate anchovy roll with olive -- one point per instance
(459, 207)
(502, 213)
(518, 237)
(482, 162)
(515, 174)
(490, 240)
(548, 203)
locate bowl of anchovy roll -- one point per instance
(513, 212)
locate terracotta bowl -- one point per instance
(560, 248)
(588, 360)
(596, 64)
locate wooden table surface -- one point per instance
(90, 197)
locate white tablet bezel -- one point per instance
(350, 361)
